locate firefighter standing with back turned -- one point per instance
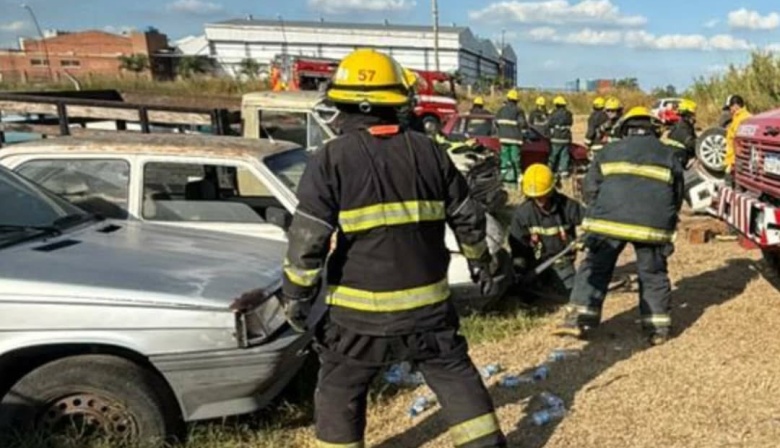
(511, 124)
(683, 134)
(595, 120)
(560, 125)
(634, 190)
(388, 193)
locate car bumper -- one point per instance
(756, 220)
(229, 382)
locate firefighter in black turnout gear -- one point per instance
(683, 135)
(542, 227)
(388, 193)
(597, 118)
(634, 191)
(511, 125)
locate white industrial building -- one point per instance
(460, 50)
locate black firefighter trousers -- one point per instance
(350, 361)
(595, 274)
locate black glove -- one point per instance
(249, 300)
(296, 311)
(482, 271)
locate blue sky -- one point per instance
(658, 41)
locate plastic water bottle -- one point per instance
(422, 404)
(545, 416)
(490, 370)
(561, 354)
(551, 400)
(541, 373)
(401, 375)
(511, 381)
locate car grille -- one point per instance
(749, 168)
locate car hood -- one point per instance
(128, 261)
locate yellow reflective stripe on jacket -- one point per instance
(633, 169)
(671, 142)
(321, 444)
(505, 122)
(475, 251)
(390, 214)
(474, 429)
(389, 301)
(547, 231)
(299, 276)
(627, 231)
(658, 320)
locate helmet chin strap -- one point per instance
(365, 107)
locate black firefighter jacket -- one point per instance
(683, 137)
(511, 124)
(560, 125)
(388, 193)
(634, 191)
(595, 120)
(536, 234)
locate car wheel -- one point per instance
(91, 396)
(711, 149)
(431, 124)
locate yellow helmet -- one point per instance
(599, 103)
(538, 181)
(540, 101)
(639, 112)
(367, 76)
(479, 101)
(612, 104)
(512, 95)
(687, 106)
(410, 78)
(559, 101)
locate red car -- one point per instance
(483, 128)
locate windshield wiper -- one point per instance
(50, 230)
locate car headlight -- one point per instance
(261, 323)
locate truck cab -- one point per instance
(752, 204)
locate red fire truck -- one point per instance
(752, 205)
(435, 90)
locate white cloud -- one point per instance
(13, 27)
(723, 42)
(775, 47)
(551, 64)
(716, 69)
(712, 23)
(752, 20)
(124, 29)
(347, 6)
(557, 12)
(586, 36)
(194, 7)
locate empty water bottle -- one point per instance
(421, 404)
(551, 400)
(402, 375)
(545, 416)
(490, 370)
(561, 354)
(514, 380)
(541, 373)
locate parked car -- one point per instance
(241, 186)
(482, 127)
(665, 109)
(125, 327)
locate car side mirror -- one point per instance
(278, 217)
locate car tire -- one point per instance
(431, 124)
(711, 150)
(106, 395)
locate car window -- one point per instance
(657, 105)
(317, 134)
(283, 125)
(195, 192)
(479, 127)
(288, 166)
(98, 186)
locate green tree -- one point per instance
(249, 68)
(627, 83)
(136, 63)
(190, 66)
(665, 92)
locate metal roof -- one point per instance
(192, 145)
(304, 100)
(337, 25)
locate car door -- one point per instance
(221, 195)
(536, 149)
(97, 184)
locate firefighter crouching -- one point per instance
(388, 193)
(634, 190)
(542, 227)
(511, 124)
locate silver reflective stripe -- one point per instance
(506, 122)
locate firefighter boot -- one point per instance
(658, 336)
(572, 326)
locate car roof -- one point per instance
(287, 100)
(158, 144)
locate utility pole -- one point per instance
(435, 7)
(43, 38)
(286, 75)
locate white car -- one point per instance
(664, 104)
(229, 184)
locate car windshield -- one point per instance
(288, 166)
(30, 211)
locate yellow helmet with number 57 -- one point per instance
(370, 77)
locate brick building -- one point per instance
(81, 53)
